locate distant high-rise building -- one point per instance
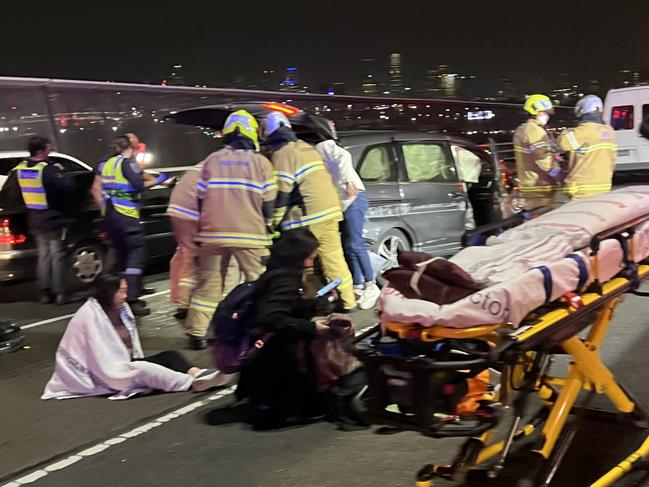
(442, 82)
(291, 81)
(629, 77)
(433, 88)
(268, 79)
(175, 77)
(594, 87)
(395, 80)
(567, 91)
(505, 90)
(369, 83)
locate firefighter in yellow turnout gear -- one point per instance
(535, 164)
(592, 150)
(236, 191)
(307, 197)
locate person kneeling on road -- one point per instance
(100, 354)
(279, 383)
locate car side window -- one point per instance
(7, 164)
(622, 117)
(376, 165)
(68, 165)
(428, 162)
(469, 164)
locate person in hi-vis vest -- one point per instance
(42, 182)
(121, 183)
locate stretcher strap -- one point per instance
(583, 270)
(625, 249)
(547, 282)
(630, 267)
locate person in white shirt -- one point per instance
(354, 205)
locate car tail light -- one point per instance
(278, 107)
(8, 238)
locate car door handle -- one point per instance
(456, 195)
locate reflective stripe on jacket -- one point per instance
(118, 189)
(593, 150)
(233, 185)
(183, 202)
(30, 180)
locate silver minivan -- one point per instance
(418, 198)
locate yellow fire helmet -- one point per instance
(245, 123)
(537, 103)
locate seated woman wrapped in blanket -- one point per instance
(100, 354)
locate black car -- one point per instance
(87, 244)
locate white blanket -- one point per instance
(92, 360)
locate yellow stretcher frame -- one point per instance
(586, 372)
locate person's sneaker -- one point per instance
(44, 297)
(147, 290)
(181, 313)
(139, 308)
(62, 299)
(370, 294)
(208, 379)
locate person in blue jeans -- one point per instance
(354, 205)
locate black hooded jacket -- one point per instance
(280, 306)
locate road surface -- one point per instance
(195, 439)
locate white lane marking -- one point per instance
(32, 477)
(63, 463)
(46, 322)
(159, 293)
(106, 444)
(65, 317)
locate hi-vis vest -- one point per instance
(30, 180)
(118, 189)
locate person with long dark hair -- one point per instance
(279, 384)
(100, 353)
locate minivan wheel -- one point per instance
(388, 245)
(86, 263)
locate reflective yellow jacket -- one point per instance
(534, 159)
(593, 150)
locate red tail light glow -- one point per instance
(8, 238)
(278, 107)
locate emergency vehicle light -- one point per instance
(278, 107)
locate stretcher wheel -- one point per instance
(425, 476)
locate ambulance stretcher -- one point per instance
(415, 382)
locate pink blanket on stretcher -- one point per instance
(508, 266)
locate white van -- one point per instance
(624, 109)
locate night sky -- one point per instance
(218, 41)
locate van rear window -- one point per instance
(622, 117)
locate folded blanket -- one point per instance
(92, 360)
(434, 279)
